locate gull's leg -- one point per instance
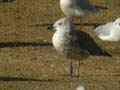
(70, 68)
(78, 68)
(80, 20)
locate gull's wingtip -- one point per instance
(107, 54)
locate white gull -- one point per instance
(109, 31)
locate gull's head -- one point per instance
(63, 24)
(117, 23)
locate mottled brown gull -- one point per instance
(74, 44)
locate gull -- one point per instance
(74, 44)
(76, 8)
(109, 31)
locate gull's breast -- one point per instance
(65, 46)
(60, 42)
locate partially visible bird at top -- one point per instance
(77, 8)
(109, 31)
(73, 8)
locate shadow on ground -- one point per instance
(8, 79)
(94, 25)
(23, 44)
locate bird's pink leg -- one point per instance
(78, 68)
(70, 68)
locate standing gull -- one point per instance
(109, 31)
(76, 8)
(74, 44)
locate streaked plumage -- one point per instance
(74, 44)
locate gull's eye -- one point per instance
(60, 23)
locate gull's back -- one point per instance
(88, 44)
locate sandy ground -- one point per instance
(28, 61)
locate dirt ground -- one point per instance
(28, 60)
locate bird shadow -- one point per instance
(89, 24)
(94, 25)
(13, 79)
(100, 7)
(22, 44)
(6, 1)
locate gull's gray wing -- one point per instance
(104, 29)
(88, 44)
(86, 5)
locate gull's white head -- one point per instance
(117, 23)
(81, 87)
(63, 24)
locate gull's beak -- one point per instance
(50, 26)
